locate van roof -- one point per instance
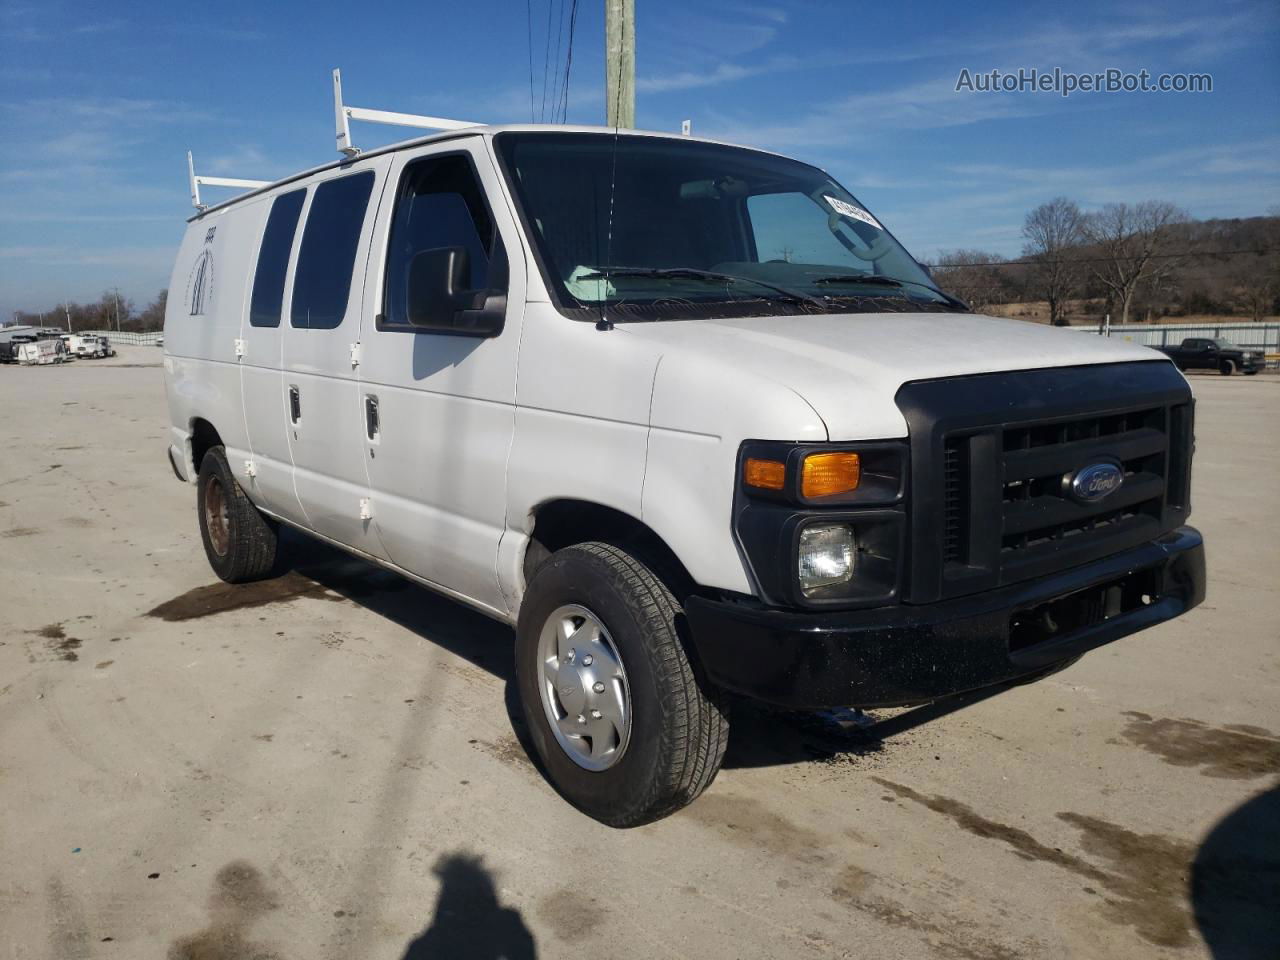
(484, 130)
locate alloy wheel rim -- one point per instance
(584, 688)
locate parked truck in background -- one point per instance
(1215, 353)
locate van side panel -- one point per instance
(582, 426)
(702, 411)
(202, 324)
(263, 393)
(327, 441)
(446, 411)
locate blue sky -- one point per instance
(100, 102)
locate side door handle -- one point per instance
(295, 404)
(372, 425)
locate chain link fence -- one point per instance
(127, 337)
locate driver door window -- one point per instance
(440, 204)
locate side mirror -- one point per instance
(438, 298)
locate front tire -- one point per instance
(1227, 367)
(238, 540)
(627, 727)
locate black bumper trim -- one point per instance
(904, 654)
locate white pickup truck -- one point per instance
(686, 415)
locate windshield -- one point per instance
(658, 229)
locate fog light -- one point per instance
(826, 556)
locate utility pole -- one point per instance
(620, 62)
(67, 310)
(117, 291)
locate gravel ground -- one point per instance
(325, 765)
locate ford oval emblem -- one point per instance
(1096, 481)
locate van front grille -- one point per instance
(955, 482)
(1038, 513)
(994, 457)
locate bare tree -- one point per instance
(1256, 282)
(152, 318)
(972, 275)
(1254, 277)
(1136, 245)
(1052, 232)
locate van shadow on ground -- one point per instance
(449, 624)
(761, 736)
(457, 628)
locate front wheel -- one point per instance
(627, 727)
(1227, 367)
(238, 540)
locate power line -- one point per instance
(568, 63)
(546, 62)
(1153, 256)
(528, 13)
(555, 78)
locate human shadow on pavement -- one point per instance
(1235, 882)
(469, 921)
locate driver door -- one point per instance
(440, 406)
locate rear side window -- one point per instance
(273, 260)
(322, 282)
(440, 204)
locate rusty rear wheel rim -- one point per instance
(216, 521)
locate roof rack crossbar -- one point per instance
(344, 114)
(196, 181)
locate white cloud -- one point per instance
(719, 74)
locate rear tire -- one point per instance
(677, 724)
(1227, 367)
(238, 540)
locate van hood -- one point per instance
(849, 367)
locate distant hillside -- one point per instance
(1216, 268)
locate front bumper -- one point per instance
(901, 655)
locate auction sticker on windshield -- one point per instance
(849, 210)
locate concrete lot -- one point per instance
(324, 765)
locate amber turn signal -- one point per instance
(764, 474)
(829, 474)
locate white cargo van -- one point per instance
(687, 416)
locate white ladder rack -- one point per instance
(197, 181)
(344, 114)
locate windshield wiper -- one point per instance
(692, 273)
(859, 278)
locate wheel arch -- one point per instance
(563, 522)
(204, 436)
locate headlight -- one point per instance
(822, 524)
(826, 557)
